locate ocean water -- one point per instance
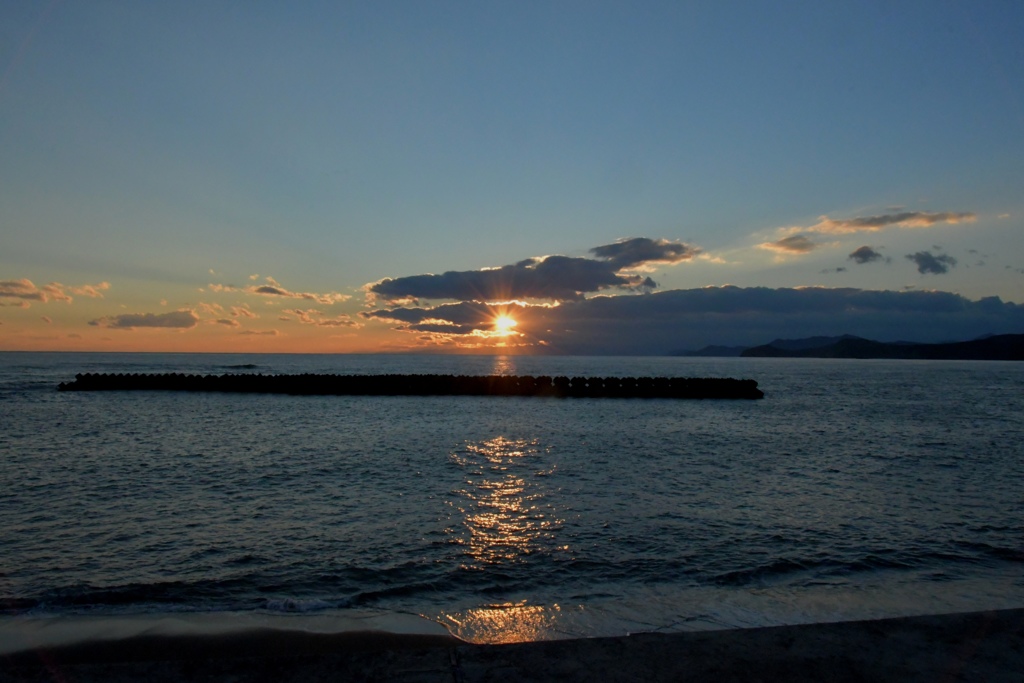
(854, 489)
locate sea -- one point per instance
(854, 489)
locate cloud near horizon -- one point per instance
(663, 322)
(183, 320)
(555, 278)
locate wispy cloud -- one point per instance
(794, 244)
(228, 322)
(259, 333)
(558, 278)
(242, 311)
(183, 320)
(902, 219)
(210, 309)
(275, 289)
(92, 291)
(312, 316)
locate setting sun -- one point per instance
(504, 324)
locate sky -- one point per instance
(508, 177)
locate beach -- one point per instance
(975, 646)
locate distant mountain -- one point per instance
(808, 342)
(997, 347)
(728, 351)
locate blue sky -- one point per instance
(172, 151)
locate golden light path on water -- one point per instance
(500, 517)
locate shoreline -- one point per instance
(968, 646)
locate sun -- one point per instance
(503, 324)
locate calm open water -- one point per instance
(854, 489)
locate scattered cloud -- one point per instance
(25, 290)
(794, 244)
(259, 333)
(866, 254)
(47, 319)
(558, 278)
(183, 320)
(229, 322)
(936, 264)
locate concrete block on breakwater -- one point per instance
(425, 385)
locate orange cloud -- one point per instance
(794, 244)
(902, 219)
(25, 290)
(242, 311)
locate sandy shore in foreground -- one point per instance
(977, 646)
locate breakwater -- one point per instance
(425, 385)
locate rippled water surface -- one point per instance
(854, 489)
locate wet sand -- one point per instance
(976, 646)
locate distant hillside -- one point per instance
(998, 347)
(808, 342)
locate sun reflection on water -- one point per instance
(504, 365)
(504, 517)
(501, 515)
(510, 622)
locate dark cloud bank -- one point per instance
(660, 322)
(181, 320)
(547, 298)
